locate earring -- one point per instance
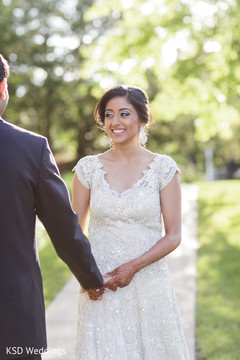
(110, 142)
(142, 136)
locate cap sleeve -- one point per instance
(168, 169)
(83, 172)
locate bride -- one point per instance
(129, 191)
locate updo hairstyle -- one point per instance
(134, 95)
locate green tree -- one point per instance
(45, 43)
(184, 54)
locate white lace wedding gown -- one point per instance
(140, 321)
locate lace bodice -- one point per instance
(136, 211)
(140, 321)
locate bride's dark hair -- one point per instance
(134, 95)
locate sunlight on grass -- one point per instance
(218, 294)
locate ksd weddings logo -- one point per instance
(19, 350)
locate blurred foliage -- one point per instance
(44, 43)
(185, 54)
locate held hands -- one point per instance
(97, 294)
(121, 276)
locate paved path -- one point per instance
(62, 312)
(182, 265)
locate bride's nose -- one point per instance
(116, 119)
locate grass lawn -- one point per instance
(54, 272)
(218, 284)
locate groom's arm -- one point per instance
(54, 209)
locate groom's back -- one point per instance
(21, 299)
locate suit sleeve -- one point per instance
(54, 209)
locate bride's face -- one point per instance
(121, 120)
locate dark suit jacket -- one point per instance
(30, 185)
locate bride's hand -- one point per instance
(121, 276)
(106, 279)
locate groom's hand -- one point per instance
(97, 294)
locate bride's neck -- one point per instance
(126, 153)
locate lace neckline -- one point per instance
(134, 185)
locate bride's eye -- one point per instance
(125, 114)
(108, 114)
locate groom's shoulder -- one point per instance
(17, 133)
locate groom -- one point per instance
(30, 185)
